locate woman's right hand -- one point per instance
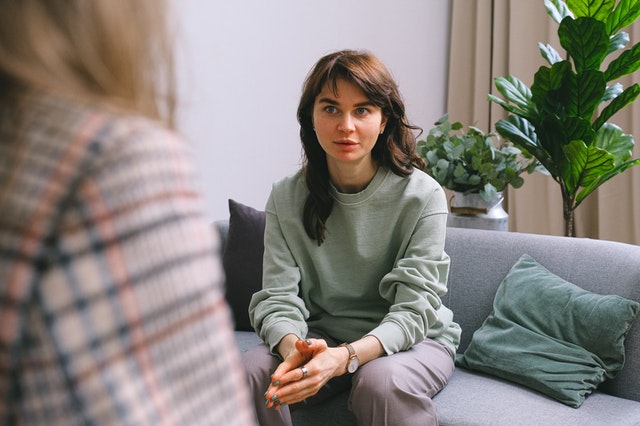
(285, 380)
(296, 353)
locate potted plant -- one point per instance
(472, 164)
(562, 119)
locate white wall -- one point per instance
(242, 64)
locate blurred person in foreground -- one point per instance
(111, 301)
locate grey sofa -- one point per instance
(480, 261)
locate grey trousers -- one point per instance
(391, 390)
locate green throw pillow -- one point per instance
(550, 335)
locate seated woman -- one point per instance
(354, 263)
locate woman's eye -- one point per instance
(362, 111)
(331, 109)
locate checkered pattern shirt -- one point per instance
(111, 303)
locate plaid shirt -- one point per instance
(111, 303)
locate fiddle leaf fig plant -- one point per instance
(469, 161)
(562, 120)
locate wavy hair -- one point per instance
(394, 149)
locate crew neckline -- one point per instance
(365, 194)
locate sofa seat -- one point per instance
(493, 401)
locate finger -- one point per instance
(276, 395)
(293, 398)
(293, 376)
(304, 346)
(319, 344)
(311, 347)
(297, 374)
(287, 396)
(291, 363)
(272, 401)
(304, 372)
(284, 374)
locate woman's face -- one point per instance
(346, 123)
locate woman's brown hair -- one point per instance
(395, 148)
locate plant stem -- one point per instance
(569, 224)
(568, 210)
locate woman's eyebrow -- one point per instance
(334, 102)
(328, 101)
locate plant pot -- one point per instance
(472, 211)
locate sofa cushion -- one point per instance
(551, 335)
(472, 398)
(242, 259)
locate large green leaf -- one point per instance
(506, 105)
(557, 9)
(549, 53)
(550, 78)
(612, 91)
(587, 163)
(585, 39)
(623, 15)
(625, 98)
(522, 133)
(551, 138)
(516, 92)
(626, 63)
(595, 184)
(582, 93)
(554, 133)
(617, 42)
(598, 9)
(545, 88)
(611, 138)
(572, 128)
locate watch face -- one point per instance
(353, 365)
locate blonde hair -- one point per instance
(118, 51)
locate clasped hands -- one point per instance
(288, 382)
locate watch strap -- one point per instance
(352, 351)
(353, 358)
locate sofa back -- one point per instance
(480, 259)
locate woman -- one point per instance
(354, 263)
(111, 307)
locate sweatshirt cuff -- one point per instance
(277, 331)
(391, 336)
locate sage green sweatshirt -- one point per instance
(381, 270)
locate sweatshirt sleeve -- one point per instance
(416, 283)
(277, 310)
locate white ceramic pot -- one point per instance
(472, 211)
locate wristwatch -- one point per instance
(353, 362)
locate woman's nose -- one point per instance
(346, 123)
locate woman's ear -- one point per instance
(383, 123)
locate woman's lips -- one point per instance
(346, 142)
